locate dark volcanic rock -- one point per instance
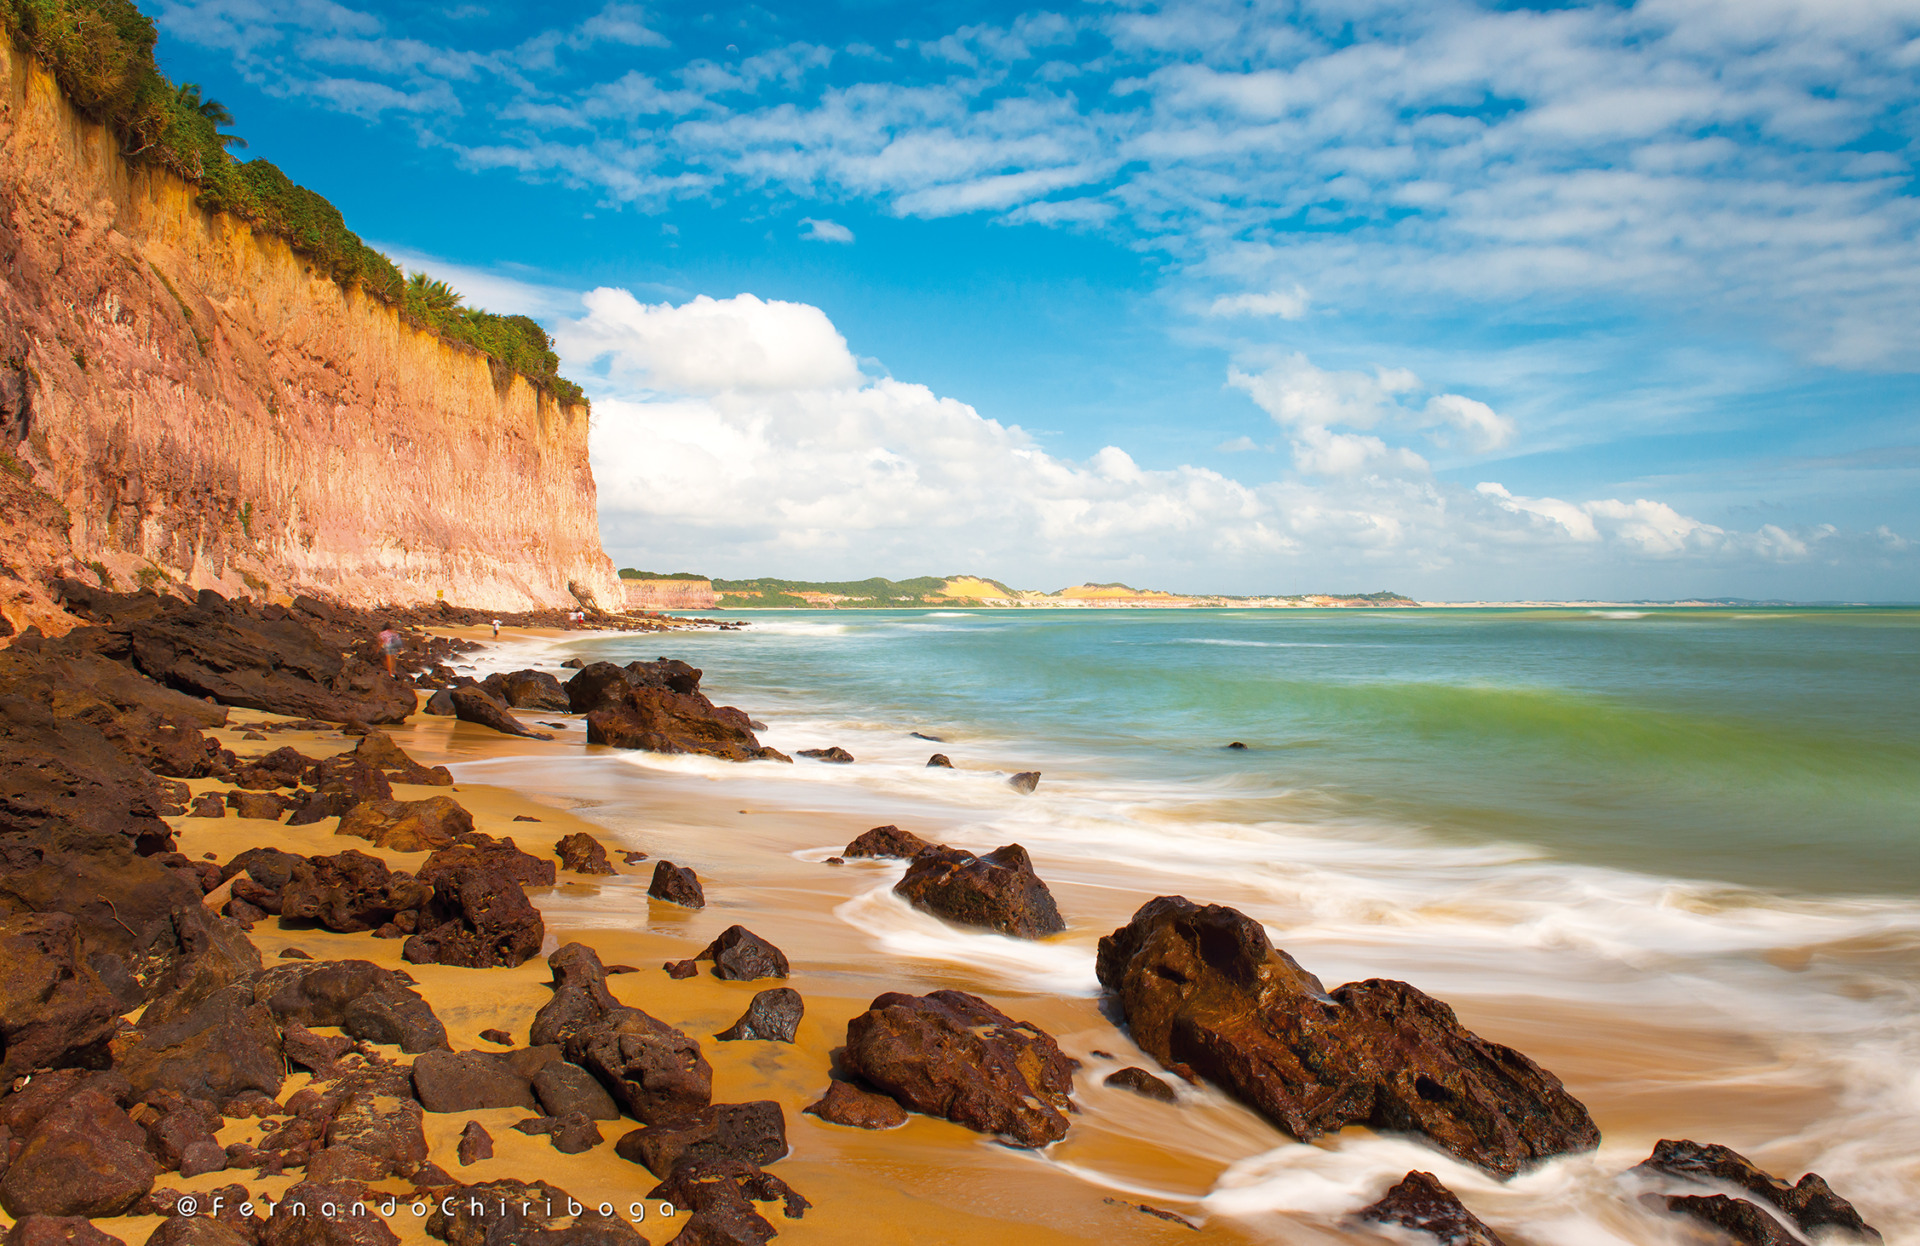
(580, 996)
(653, 1071)
(999, 891)
(1419, 1202)
(954, 1055)
(470, 705)
(60, 771)
(658, 706)
(773, 1016)
(198, 1231)
(721, 1194)
(836, 755)
(1206, 993)
(568, 1090)
(122, 902)
(207, 805)
(497, 1036)
(1140, 1082)
(358, 996)
(377, 749)
(527, 690)
(407, 825)
(350, 891)
(1811, 1203)
(583, 854)
(1025, 781)
(388, 1129)
(59, 1231)
(515, 1213)
(475, 1143)
(212, 1049)
(478, 919)
(939, 761)
(739, 955)
(574, 1133)
(262, 806)
(680, 970)
(676, 884)
(85, 1157)
(466, 1081)
(300, 1217)
(54, 1010)
(755, 1132)
(340, 785)
(1740, 1220)
(848, 1104)
(440, 704)
(317, 1053)
(887, 841)
(502, 856)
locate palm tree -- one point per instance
(436, 298)
(213, 110)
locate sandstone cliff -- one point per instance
(210, 413)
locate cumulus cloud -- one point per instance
(825, 231)
(1310, 402)
(1286, 304)
(710, 346)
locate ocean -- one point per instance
(1678, 850)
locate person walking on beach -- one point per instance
(496, 629)
(389, 645)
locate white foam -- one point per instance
(1038, 966)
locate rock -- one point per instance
(350, 892)
(676, 885)
(575, 1133)
(1420, 1203)
(999, 891)
(340, 785)
(359, 997)
(653, 1071)
(197, 1231)
(497, 1036)
(848, 1104)
(58, 1231)
(1743, 1222)
(54, 1010)
(528, 690)
(773, 1015)
(514, 1213)
(59, 771)
(1811, 1203)
(466, 1081)
(582, 853)
(207, 805)
(319, 1054)
(479, 918)
(1140, 1082)
(580, 996)
(440, 704)
(330, 1164)
(262, 806)
(939, 761)
(721, 1194)
(388, 1129)
(887, 841)
(633, 858)
(1206, 994)
(1025, 781)
(739, 955)
(470, 705)
(378, 750)
(502, 856)
(407, 825)
(269, 867)
(302, 1217)
(682, 969)
(1239, 746)
(294, 953)
(214, 1049)
(122, 902)
(755, 1132)
(475, 1143)
(658, 706)
(954, 1055)
(85, 1157)
(835, 755)
(568, 1090)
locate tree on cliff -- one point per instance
(213, 110)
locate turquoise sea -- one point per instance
(1673, 853)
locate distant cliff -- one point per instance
(183, 399)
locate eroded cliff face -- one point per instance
(209, 411)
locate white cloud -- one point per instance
(825, 231)
(741, 345)
(1286, 304)
(1310, 402)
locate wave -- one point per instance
(1617, 614)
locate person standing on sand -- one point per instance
(389, 644)
(496, 629)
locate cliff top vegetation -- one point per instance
(101, 53)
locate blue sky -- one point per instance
(1461, 299)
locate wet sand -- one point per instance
(932, 1181)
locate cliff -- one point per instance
(664, 594)
(211, 413)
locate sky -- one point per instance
(1494, 300)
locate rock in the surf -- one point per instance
(658, 706)
(1420, 1203)
(1208, 995)
(836, 755)
(581, 853)
(939, 761)
(774, 1016)
(1738, 1220)
(739, 955)
(887, 841)
(1025, 781)
(471, 705)
(848, 1104)
(527, 690)
(953, 1055)
(676, 884)
(1140, 1082)
(1809, 1202)
(999, 891)
(440, 704)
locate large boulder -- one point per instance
(580, 996)
(566, 1089)
(466, 1081)
(999, 891)
(1420, 1204)
(377, 749)
(582, 854)
(54, 1010)
(85, 1157)
(848, 1104)
(658, 706)
(407, 825)
(886, 841)
(721, 1193)
(330, 1213)
(953, 1055)
(515, 1213)
(739, 955)
(482, 851)
(653, 1071)
(358, 996)
(773, 1016)
(755, 1132)
(351, 891)
(527, 690)
(1205, 992)
(1810, 1202)
(60, 1231)
(61, 772)
(677, 884)
(389, 1130)
(220, 1047)
(478, 918)
(471, 705)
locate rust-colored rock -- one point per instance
(953, 1055)
(377, 749)
(85, 1157)
(516, 1213)
(654, 1071)
(739, 955)
(848, 1104)
(1206, 993)
(999, 891)
(887, 841)
(1810, 1202)
(471, 705)
(475, 1143)
(300, 1217)
(53, 1007)
(582, 854)
(773, 1016)
(59, 1231)
(478, 918)
(407, 825)
(755, 1132)
(350, 891)
(1420, 1203)
(658, 706)
(1140, 1082)
(676, 884)
(834, 756)
(527, 690)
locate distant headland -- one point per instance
(684, 590)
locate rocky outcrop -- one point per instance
(527, 690)
(471, 705)
(677, 884)
(1205, 993)
(466, 1081)
(739, 955)
(84, 1157)
(516, 1213)
(999, 891)
(773, 1016)
(755, 1132)
(887, 841)
(358, 996)
(953, 1055)
(1809, 1203)
(54, 1010)
(658, 706)
(407, 825)
(581, 853)
(721, 1193)
(848, 1104)
(202, 404)
(1418, 1202)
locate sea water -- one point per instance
(1707, 821)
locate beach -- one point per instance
(1728, 1010)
